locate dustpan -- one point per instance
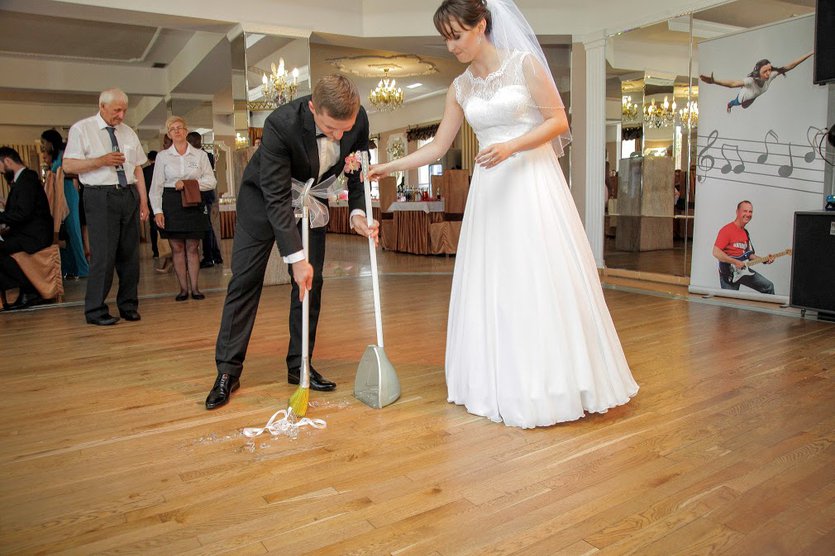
(376, 384)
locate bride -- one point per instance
(530, 341)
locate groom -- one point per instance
(306, 138)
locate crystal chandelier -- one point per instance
(629, 112)
(278, 87)
(660, 115)
(387, 96)
(689, 115)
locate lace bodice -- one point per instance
(499, 107)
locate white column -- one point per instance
(595, 143)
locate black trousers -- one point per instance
(249, 263)
(113, 227)
(154, 233)
(11, 276)
(211, 247)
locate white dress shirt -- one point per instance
(171, 166)
(328, 155)
(90, 139)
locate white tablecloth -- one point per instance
(425, 206)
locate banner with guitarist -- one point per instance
(734, 250)
(766, 154)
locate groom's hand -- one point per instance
(360, 225)
(303, 275)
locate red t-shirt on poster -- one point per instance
(733, 240)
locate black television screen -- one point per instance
(825, 41)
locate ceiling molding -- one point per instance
(398, 66)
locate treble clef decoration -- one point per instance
(706, 162)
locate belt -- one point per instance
(107, 185)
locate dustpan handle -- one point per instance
(375, 280)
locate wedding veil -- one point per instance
(512, 32)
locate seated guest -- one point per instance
(183, 227)
(26, 223)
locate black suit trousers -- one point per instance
(249, 263)
(113, 227)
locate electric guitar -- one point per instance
(746, 271)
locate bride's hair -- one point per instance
(467, 13)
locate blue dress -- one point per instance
(73, 261)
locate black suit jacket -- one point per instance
(27, 215)
(289, 150)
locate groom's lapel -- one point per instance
(309, 139)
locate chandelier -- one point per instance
(278, 87)
(660, 115)
(630, 112)
(689, 115)
(386, 96)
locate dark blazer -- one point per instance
(289, 150)
(27, 216)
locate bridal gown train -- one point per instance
(530, 341)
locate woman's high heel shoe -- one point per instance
(197, 295)
(182, 296)
(167, 265)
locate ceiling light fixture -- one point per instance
(386, 96)
(278, 87)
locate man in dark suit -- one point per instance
(26, 223)
(148, 172)
(211, 247)
(306, 138)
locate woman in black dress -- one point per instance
(184, 227)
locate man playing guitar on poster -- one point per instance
(735, 252)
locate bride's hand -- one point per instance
(494, 154)
(377, 171)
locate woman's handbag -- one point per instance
(191, 193)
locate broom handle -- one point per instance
(305, 370)
(375, 280)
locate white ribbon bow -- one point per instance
(318, 211)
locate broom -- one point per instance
(299, 399)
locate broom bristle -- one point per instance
(298, 401)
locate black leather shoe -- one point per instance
(24, 300)
(206, 264)
(225, 384)
(197, 295)
(317, 381)
(182, 296)
(104, 320)
(130, 315)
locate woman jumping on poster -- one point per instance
(755, 83)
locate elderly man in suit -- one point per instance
(25, 225)
(303, 139)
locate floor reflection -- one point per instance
(347, 255)
(664, 261)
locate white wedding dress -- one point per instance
(530, 341)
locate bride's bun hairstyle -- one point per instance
(467, 13)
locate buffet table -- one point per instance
(411, 223)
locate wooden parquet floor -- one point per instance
(107, 448)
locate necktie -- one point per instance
(120, 170)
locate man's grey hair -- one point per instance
(112, 95)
